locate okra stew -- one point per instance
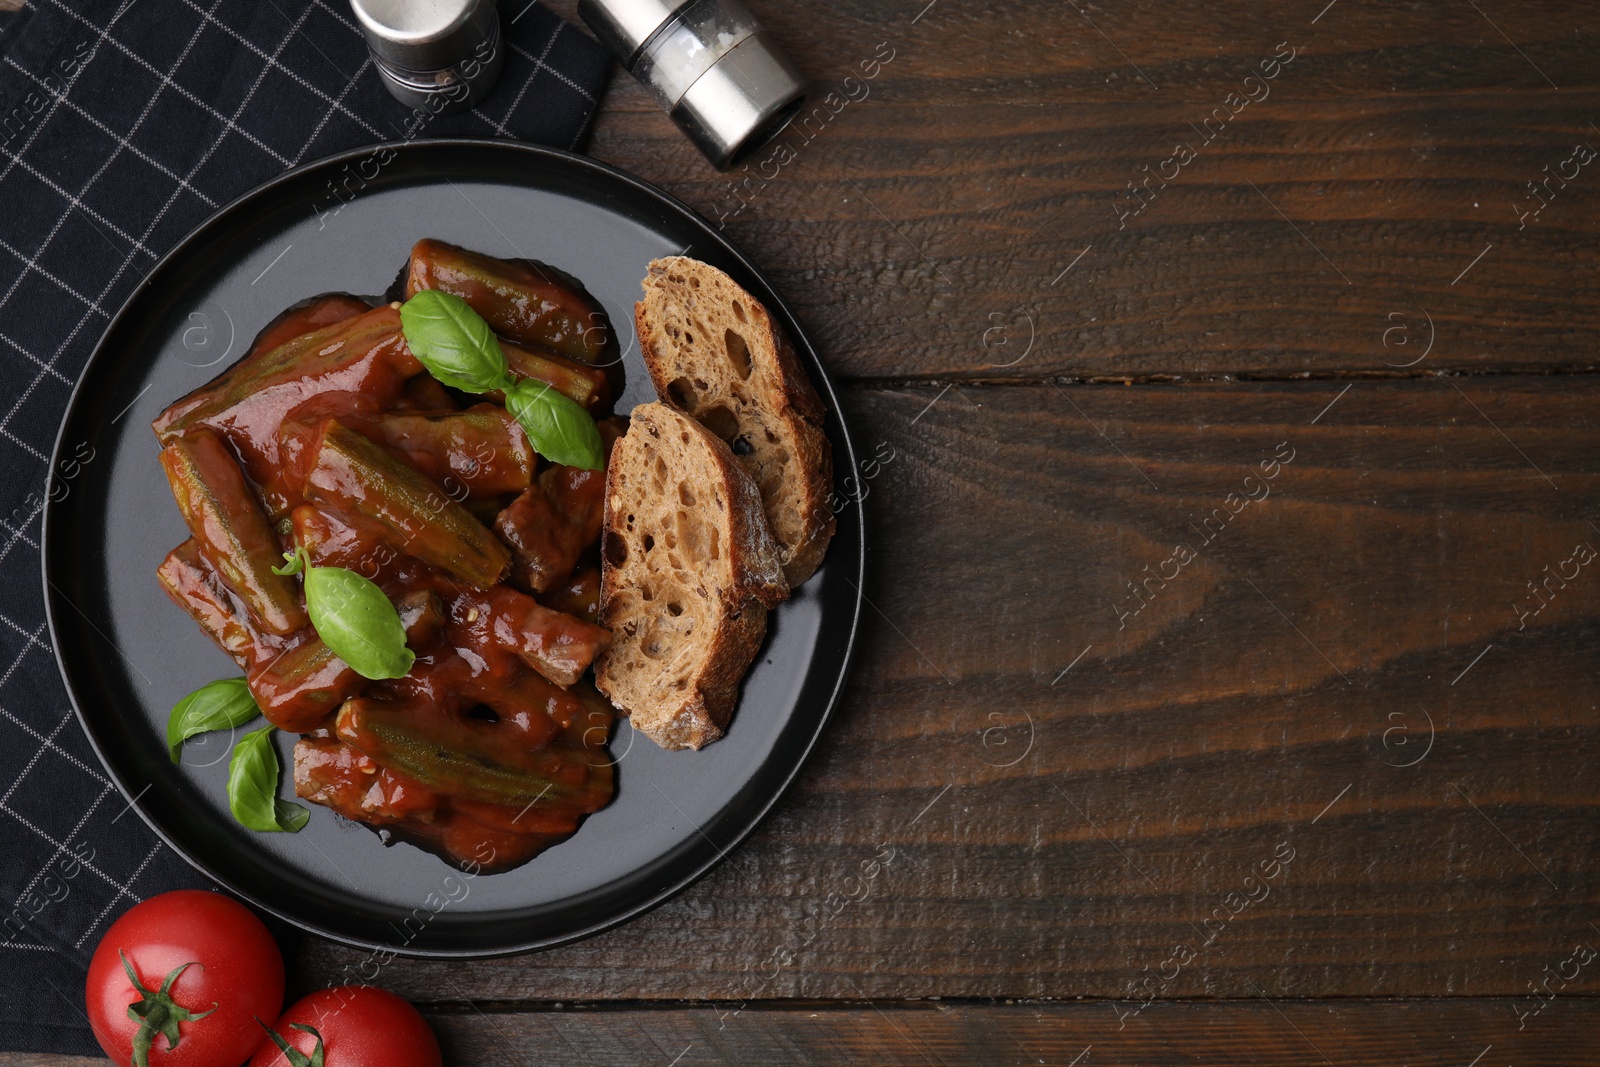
(394, 516)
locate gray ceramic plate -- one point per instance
(128, 654)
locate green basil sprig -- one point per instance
(220, 705)
(454, 342)
(353, 617)
(457, 347)
(557, 425)
(253, 786)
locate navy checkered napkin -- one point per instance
(123, 124)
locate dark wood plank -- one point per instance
(930, 219)
(1456, 1032)
(1030, 789)
(1266, 1034)
(981, 821)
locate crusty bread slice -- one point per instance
(688, 571)
(715, 354)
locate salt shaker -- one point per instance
(436, 56)
(710, 64)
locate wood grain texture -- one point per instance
(1337, 753)
(1267, 1034)
(980, 821)
(1482, 1032)
(922, 230)
(1341, 747)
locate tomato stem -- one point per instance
(295, 1057)
(156, 1012)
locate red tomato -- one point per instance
(221, 970)
(360, 1026)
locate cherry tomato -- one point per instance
(359, 1026)
(203, 968)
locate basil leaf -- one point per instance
(454, 342)
(358, 622)
(557, 426)
(253, 787)
(460, 350)
(221, 705)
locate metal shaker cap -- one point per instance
(425, 35)
(724, 81)
(743, 101)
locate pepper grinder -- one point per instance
(709, 63)
(436, 56)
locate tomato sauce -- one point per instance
(492, 747)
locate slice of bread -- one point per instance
(688, 571)
(715, 354)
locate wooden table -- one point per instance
(1228, 687)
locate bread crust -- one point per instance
(677, 673)
(771, 408)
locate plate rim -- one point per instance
(746, 824)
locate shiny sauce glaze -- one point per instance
(492, 747)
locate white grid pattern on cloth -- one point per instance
(123, 887)
(347, 24)
(20, 534)
(88, 813)
(273, 64)
(26, 446)
(25, 354)
(29, 639)
(38, 754)
(74, 202)
(107, 44)
(60, 846)
(48, 743)
(47, 367)
(326, 115)
(89, 117)
(538, 65)
(122, 269)
(166, 81)
(334, 105)
(17, 535)
(123, 891)
(30, 264)
(17, 662)
(72, 79)
(33, 135)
